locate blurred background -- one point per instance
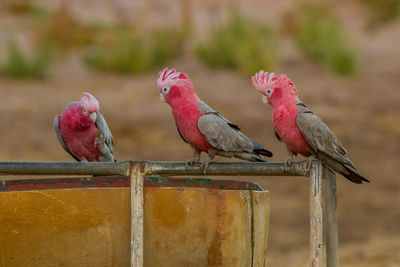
(343, 56)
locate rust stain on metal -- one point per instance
(65, 228)
(168, 208)
(214, 253)
(124, 181)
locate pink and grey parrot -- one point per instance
(83, 132)
(203, 128)
(300, 129)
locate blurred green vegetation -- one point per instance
(114, 47)
(19, 66)
(60, 28)
(121, 49)
(240, 44)
(382, 11)
(26, 7)
(65, 31)
(18, 6)
(321, 37)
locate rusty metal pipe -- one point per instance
(224, 168)
(152, 168)
(65, 168)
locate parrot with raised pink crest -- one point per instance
(83, 132)
(300, 129)
(203, 128)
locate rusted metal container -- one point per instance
(86, 222)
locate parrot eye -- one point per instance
(84, 109)
(269, 91)
(165, 90)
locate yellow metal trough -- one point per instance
(87, 222)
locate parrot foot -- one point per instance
(309, 162)
(196, 158)
(288, 162)
(204, 164)
(191, 161)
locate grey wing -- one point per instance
(321, 138)
(107, 148)
(222, 136)
(59, 137)
(205, 109)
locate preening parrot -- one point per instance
(83, 132)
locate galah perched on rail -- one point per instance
(203, 128)
(301, 130)
(83, 132)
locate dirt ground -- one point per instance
(363, 111)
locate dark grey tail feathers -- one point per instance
(263, 152)
(259, 149)
(354, 176)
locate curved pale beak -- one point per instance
(162, 97)
(264, 99)
(93, 117)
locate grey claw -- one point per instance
(288, 162)
(204, 165)
(190, 162)
(309, 163)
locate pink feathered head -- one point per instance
(274, 86)
(89, 102)
(262, 80)
(170, 77)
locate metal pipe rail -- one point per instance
(152, 168)
(137, 170)
(65, 168)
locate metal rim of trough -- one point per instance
(138, 169)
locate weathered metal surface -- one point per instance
(60, 168)
(331, 225)
(70, 227)
(179, 169)
(201, 182)
(64, 183)
(137, 217)
(225, 168)
(316, 215)
(91, 227)
(152, 168)
(261, 213)
(203, 227)
(123, 181)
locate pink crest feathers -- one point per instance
(171, 76)
(89, 102)
(262, 80)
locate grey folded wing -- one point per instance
(107, 146)
(320, 137)
(59, 136)
(222, 136)
(205, 109)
